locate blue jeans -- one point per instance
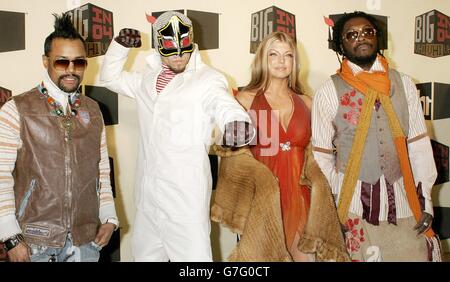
(69, 253)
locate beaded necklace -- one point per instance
(58, 110)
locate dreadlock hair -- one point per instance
(336, 41)
(63, 29)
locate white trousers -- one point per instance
(158, 239)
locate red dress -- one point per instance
(284, 157)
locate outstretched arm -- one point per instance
(112, 75)
(232, 119)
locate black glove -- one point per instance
(237, 134)
(424, 223)
(130, 38)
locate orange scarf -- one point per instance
(378, 80)
(375, 86)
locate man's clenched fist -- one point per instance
(237, 134)
(130, 38)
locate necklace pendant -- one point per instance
(57, 110)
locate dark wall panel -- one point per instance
(108, 102)
(206, 29)
(12, 31)
(441, 222)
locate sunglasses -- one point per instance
(365, 32)
(63, 64)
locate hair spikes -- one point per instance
(63, 24)
(63, 28)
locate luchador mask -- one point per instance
(173, 34)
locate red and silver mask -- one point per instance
(173, 34)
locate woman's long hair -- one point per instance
(260, 79)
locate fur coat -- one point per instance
(247, 201)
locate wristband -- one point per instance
(13, 241)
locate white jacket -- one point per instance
(173, 171)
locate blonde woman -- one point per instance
(281, 114)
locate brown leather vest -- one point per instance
(56, 181)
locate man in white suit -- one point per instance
(179, 102)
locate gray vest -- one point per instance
(379, 155)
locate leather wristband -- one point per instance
(13, 241)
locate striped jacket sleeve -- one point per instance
(323, 112)
(419, 145)
(107, 207)
(9, 144)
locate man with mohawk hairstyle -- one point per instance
(56, 202)
(179, 100)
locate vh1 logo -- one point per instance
(269, 20)
(95, 25)
(432, 34)
(434, 98)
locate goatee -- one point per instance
(362, 60)
(66, 89)
(178, 70)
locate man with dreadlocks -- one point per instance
(56, 202)
(179, 100)
(370, 140)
